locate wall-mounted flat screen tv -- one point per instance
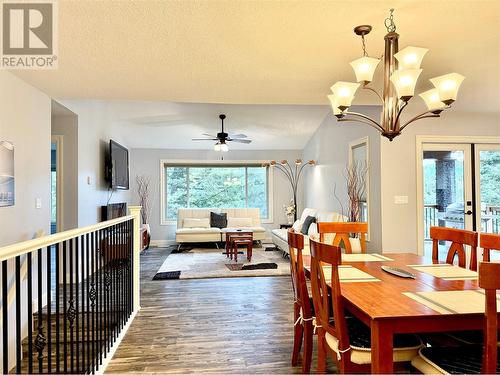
(117, 166)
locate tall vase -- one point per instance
(290, 218)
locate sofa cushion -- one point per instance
(307, 222)
(297, 226)
(197, 230)
(308, 212)
(218, 220)
(239, 222)
(281, 233)
(190, 222)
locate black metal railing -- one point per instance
(430, 219)
(65, 304)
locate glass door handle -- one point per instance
(469, 212)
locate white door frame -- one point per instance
(58, 140)
(419, 148)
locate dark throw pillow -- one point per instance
(218, 220)
(307, 223)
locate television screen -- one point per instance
(118, 159)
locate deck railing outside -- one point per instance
(67, 298)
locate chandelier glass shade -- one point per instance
(401, 73)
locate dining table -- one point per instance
(391, 305)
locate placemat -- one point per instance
(446, 271)
(452, 301)
(349, 274)
(365, 258)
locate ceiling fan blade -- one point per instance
(240, 140)
(204, 139)
(237, 136)
(210, 135)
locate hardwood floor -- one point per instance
(232, 325)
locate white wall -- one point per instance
(66, 125)
(95, 128)
(330, 148)
(398, 172)
(25, 121)
(147, 162)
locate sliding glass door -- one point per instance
(487, 159)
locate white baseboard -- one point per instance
(109, 357)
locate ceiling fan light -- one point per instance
(334, 104)
(217, 147)
(410, 57)
(405, 81)
(432, 100)
(447, 86)
(344, 93)
(224, 148)
(364, 68)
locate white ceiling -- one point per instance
(261, 52)
(172, 125)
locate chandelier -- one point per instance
(401, 71)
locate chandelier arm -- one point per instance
(366, 87)
(419, 117)
(366, 118)
(399, 113)
(361, 121)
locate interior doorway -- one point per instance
(56, 178)
(459, 188)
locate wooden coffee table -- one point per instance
(244, 237)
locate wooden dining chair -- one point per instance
(469, 359)
(302, 307)
(342, 232)
(489, 242)
(346, 339)
(458, 239)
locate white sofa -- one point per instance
(280, 236)
(193, 224)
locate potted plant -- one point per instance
(290, 211)
(143, 190)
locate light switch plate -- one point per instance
(89, 180)
(400, 199)
(38, 203)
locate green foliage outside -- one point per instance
(217, 187)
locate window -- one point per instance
(214, 186)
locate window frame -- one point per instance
(222, 163)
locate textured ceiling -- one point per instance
(260, 52)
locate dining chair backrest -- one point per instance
(490, 282)
(324, 254)
(299, 284)
(342, 231)
(458, 239)
(488, 242)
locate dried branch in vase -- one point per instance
(143, 190)
(356, 188)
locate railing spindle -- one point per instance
(18, 316)
(65, 306)
(40, 340)
(58, 297)
(71, 308)
(49, 309)
(29, 286)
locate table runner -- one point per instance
(349, 274)
(446, 271)
(451, 302)
(365, 258)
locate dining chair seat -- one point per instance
(465, 359)
(406, 346)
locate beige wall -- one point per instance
(398, 172)
(25, 121)
(330, 148)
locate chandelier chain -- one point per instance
(389, 22)
(365, 54)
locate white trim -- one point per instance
(419, 148)
(111, 353)
(270, 183)
(352, 145)
(58, 140)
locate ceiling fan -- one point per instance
(222, 137)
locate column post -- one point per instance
(135, 211)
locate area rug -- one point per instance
(200, 263)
